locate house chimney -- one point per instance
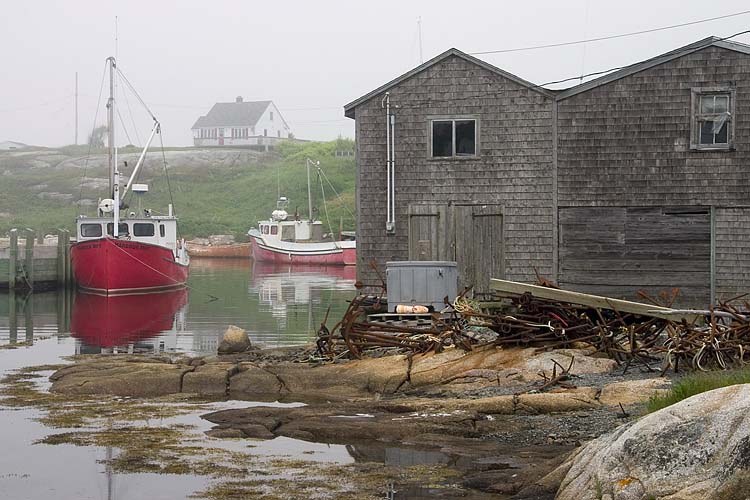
(238, 98)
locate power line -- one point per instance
(610, 37)
(711, 42)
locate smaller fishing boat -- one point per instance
(285, 239)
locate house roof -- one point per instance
(349, 108)
(711, 41)
(233, 114)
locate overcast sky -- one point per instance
(309, 57)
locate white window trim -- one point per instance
(695, 94)
(454, 119)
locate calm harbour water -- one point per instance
(276, 305)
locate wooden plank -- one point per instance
(584, 299)
(487, 222)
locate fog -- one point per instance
(310, 58)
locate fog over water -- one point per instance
(310, 58)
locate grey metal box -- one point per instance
(421, 283)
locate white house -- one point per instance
(241, 123)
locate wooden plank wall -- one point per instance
(617, 251)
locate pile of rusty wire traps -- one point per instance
(717, 338)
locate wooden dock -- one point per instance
(27, 263)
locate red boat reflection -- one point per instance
(113, 321)
(262, 270)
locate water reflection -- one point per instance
(105, 323)
(276, 305)
(282, 288)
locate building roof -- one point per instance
(233, 114)
(349, 108)
(711, 41)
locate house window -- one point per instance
(278, 132)
(712, 119)
(454, 137)
(265, 132)
(271, 115)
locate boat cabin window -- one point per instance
(287, 233)
(122, 229)
(143, 229)
(91, 230)
(264, 229)
(274, 229)
(162, 230)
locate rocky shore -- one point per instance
(497, 416)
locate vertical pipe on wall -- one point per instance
(392, 207)
(386, 103)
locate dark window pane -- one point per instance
(721, 136)
(442, 138)
(274, 229)
(465, 138)
(162, 230)
(91, 230)
(707, 132)
(143, 229)
(122, 229)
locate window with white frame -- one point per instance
(453, 137)
(712, 125)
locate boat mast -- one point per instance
(114, 182)
(110, 122)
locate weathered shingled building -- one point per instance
(635, 180)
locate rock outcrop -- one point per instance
(696, 449)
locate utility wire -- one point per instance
(610, 37)
(711, 42)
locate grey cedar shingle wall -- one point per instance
(514, 168)
(732, 251)
(627, 144)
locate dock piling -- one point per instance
(12, 259)
(29, 263)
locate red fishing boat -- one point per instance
(286, 240)
(120, 252)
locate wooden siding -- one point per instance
(732, 252)
(626, 143)
(513, 168)
(617, 251)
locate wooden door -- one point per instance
(479, 245)
(429, 232)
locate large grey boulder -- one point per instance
(698, 448)
(235, 340)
